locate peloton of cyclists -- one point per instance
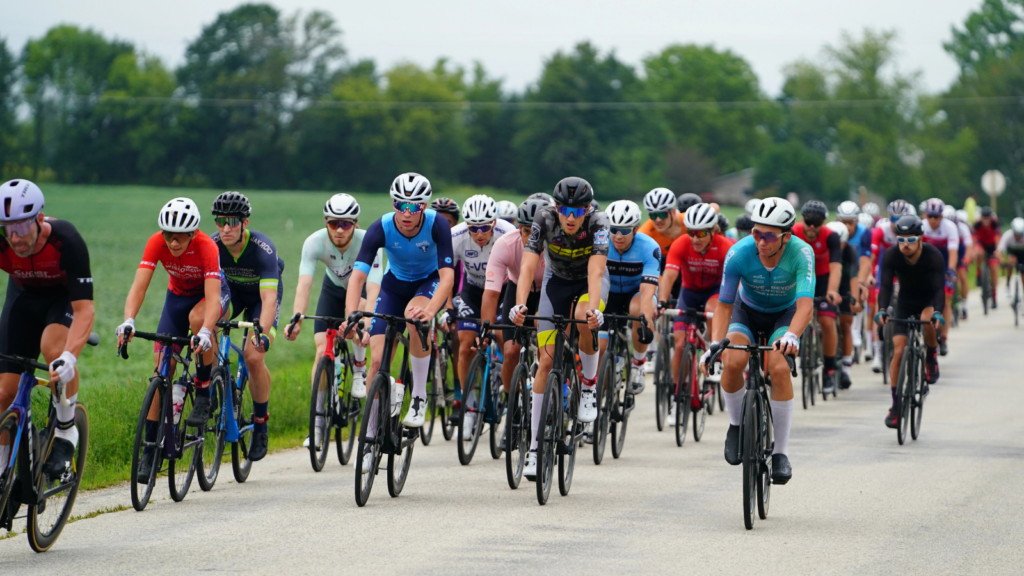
(945, 236)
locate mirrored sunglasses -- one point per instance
(578, 212)
(222, 221)
(410, 207)
(343, 224)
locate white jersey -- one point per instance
(318, 247)
(1010, 240)
(965, 234)
(945, 237)
(474, 257)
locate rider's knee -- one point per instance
(734, 360)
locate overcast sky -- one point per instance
(512, 39)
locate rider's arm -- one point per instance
(527, 270)
(81, 326)
(731, 274)
(137, 293)
(673, 265)
(835, 262)
(312, 250)
(301, 295)
(373, 241)
(802, 316)
(373, 281)
(937, 282)
(647, 301)
(355, 290)
(649, 281)
(211, 288)
(442, 236)
(269, 311)
(75, 262)
(595, 278)
(888, 271)
(489, 306)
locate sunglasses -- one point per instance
(908, 239)
(410, 207)
(179, 237)
(222, 221)
(931, 216)
(570, 211)
(621, 231)
(343, 224)
(814, 223)
(659, 215)
(481, 229)
(698, 233)
(20, 229)
(767, 237)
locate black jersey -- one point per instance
(60, 268)
(923, 282)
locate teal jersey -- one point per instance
(767, 290)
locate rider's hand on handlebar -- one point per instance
(881, 318)
(291, 331)
(202, 341)
(660, 309)
(517, 314)
(789, 344)
(834, 298)
(706, 357)
(120, 330)
(594, 319)
(63, 368)
(417, 313)
(262, 344)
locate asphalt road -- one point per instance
(858, 502)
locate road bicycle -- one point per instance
(812, 360)
(440, 388)
(986, 285)
(25, 447)
(517, 424)
(663, 381)
(483, 396)
(614, 393)
(911, 388)
(692, 393)
(1016, 291)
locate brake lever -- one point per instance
(59, 386)
(792, 364)
(424, 332)
(123, 348)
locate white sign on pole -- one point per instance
(993, 182)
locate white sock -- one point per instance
(869, 335)
(734, 405)
(878, 349)
(589, 362)
(535, 415)
(847, 362)
(66, 414)
(638, 356)
(782, 416)
(359, 353)
(420, 369)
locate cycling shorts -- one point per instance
(331, 303)
(754, 324)
(559, 296)
(509, 300)
(826, 309)
(907, 308)
(25, 317)
(618, 303)
(174, 318)
(252, 306)
(873, 295)
(469, 304)
(695, 300)
(395, 295)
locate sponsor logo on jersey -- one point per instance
(266, 247)
(472, 254)
(570, 252)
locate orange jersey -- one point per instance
(664, 241)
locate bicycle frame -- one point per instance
(166, 372)
(228, 423)
(26, 430)
(695, 338)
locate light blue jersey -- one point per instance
(409, 259)
(767, 290)
(641, 263)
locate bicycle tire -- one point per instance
(568, 449)
(499, 406)
(886, 352)
(379, 395)
(448, 389)
(620, 416)
(139, 501)
(806, 383)
(721, 398)
(605, 383)
(765, 447)
(472, 403)
(682, 397)
(321, 404)
(1016, 301)
(700, 415)
(240, 463)
(39, 515)
(8, 433)
(902, 397)
(427, 431)
(180, 474)
(662, 383)
(548, 437)
(399, 464)
(208, 459)
(347, 411)
(750, 458)
(517, 428)
(917, 407)
(986, 285)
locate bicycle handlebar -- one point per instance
(750, 348)
(122, 350)
(560, 322)
(688, 312)
(423, 328)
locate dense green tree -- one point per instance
(791, 166)
(994, 32)
(8, 105)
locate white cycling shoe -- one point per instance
(530, 467)
(468, 423)
(417, 413)
(367, 462)
(637, 379)
(359, 384)
(588, 405)
(876, 364)
(319, 438)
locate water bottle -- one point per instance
(620, 368)
(178, 400)
(397, 394)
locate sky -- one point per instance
(513, 39)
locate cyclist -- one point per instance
(508, 211)
(49, 306)
(336, 245)
(848, 213)
(751, 206)
(723, 222)
(633, 266)
(665, 227)
(419, 279)
(828, 270)
(986, 236)
(882, 238)
(197, 297)
(698, 258)
(253, 270)
(871, 209)
(742, 228)
(447, 208)
(574, 241)
(471, 246)
(848, 287)
(921, 271)
(1011, 245)
(771, 272)
(945, 236)
(963, 253)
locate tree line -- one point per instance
(269, 100)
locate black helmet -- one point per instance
(529, 208)
(232, 204)
(595, 205)
(908, 225)
(986, 211)
(542, 196)
(446, 205)
(686, 200)
(573, 191)
(814, 208)
(744, 223)
(723, 222)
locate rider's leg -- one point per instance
(846, 325)
(899, 342)
(993, 268)
(734, 362)
(511, 353)
(8, 389)
(781, 400)
(419, 359)
(466, 352)
(545, 361)
(829, 339)
(55, 337)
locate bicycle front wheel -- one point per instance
(605, 405)
(750, 457)
(376, 416)
(682, 396)
(548, 436)
(148, 451)
(240, 463)
(662, 383)
(917, 401)
(47, 519)
(904, 395)
(208, 459)
(471, 417)
(182, 469)
(8, 434)
(571, 428)
(321, 413)
(517, 428)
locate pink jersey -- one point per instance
(882, 238)
(503, 263)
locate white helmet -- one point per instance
(933, 206)
(777, 212)
(871, 209)
(507, 210)
(751, 205)
(624, 213)
(479, 209)
(841, 229)
(961, 216)
(923, 206)
(700, 217)
(21, 200)
(660, 199)
(179, 215)
(341, 206)
(1017, 225)
(911, 209)
(866, 220)
(847, 210)
(411, 187)
(949, 213)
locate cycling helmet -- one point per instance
(542, 196)
(700, 217)
(934, 207)
(687, 200)
(723, 222)
(624, 213)
(232, 204)
(1017, 225)
(341, 206)
(777, 212)
(847, 211)
(594, 206)
(898, 208)
(528, 210)
(814, 208)
(573, 191)
(840, 229)
(179, 215)
(961, 216)
(447, 206)
(871, 209)
(911, 209)
(744, 223)
(866, 220)
(507, 210)
(659, 200)
(986, 211)
(922, 206)
(949, 213)
(479, 209)
(411, 187)
(751, 205)
(908, 225)
(21, 200)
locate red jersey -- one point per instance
(987, 236)
(201, 261)
(699, 271)
(826, 247)
(60, 267)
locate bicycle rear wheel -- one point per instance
(8, 434)
(605, 399)
(434, 389)
(346, 410)
(399, 464)
(682, 396)
(751, 459)
(765, 448)
(662, 383)
(806, 384)
(986, 285)
(499, 401)
(182, 469)
(208, 459)
(46, 520)
(904, 396)
(700, 415)
(446, 387)
(517, 428)
(570, 430)
(1016, 300)
(917, 406)
(549, 435)
(621, 403)
(140, 451)
(472, 409)
(321, 413)
(240, 463)
(376, 416)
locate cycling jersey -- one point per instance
(861, 241)
(767, 290)
(639, 264)
(946, 237)
(922, 284)
(987, 236)
(60, 269)
(699, 271)
(199, 262)
(505, 261)
(1010, 242)
(826, 247)
(318, 247)
(567, 256)
(732, 233)
(409, 259)
(663, 241)
(473, 256)
(964, 231)
(258, 267)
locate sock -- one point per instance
(782, 417)
(638, 356)
(830, 362)
(734, 405)
(151, 429)
(869, 335)
(458, 389)
(260, 416)
(893, 390)
(420, 370)
(535, 415)
(589, 362)
(933, 351)
(359, 353)
(203, 380)
(847, 362)
(878, 349)
(67, 414)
